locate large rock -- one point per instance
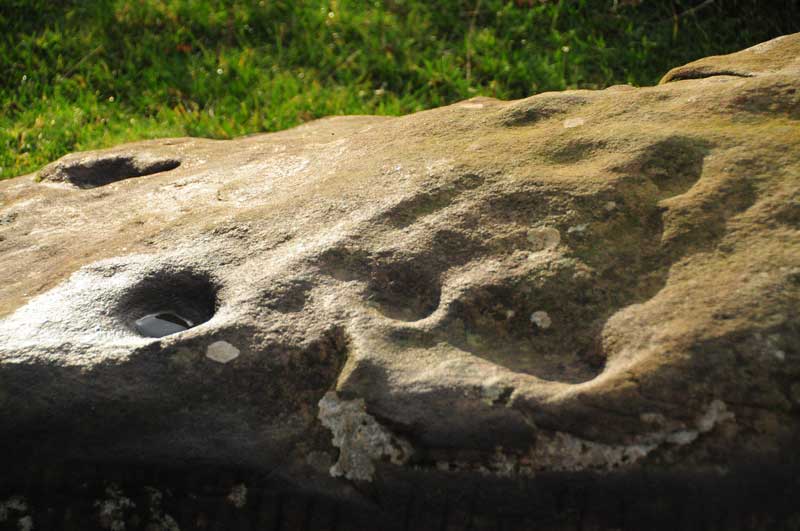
(593, 284)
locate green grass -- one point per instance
(84, 74)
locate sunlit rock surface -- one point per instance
(579, 308)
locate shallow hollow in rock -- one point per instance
(168, 303)
(94, 171)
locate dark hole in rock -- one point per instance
(167, 303)
(404, 292)
(162, 324)
(91, 172)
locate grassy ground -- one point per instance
(82, 74)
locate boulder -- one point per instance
(556, 311)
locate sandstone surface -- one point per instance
(584, 284)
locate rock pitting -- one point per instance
(597, 287)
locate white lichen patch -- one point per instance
(574, 122)
(360, 438)
(544, 238)
(112, 511)
(561, 451)
(158, 518)
(682, 437)
(564, 452)
(238, 495)
(16, 504)
(502, 464)
(541, 319)
(716, 413)
(25, 523)
(222, 352)
(578, 229)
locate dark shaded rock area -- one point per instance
(753, 497)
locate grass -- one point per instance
(84, 74)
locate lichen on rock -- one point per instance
(15, 505)
(361, 440)
(114, 509)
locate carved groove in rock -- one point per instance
(704, 73)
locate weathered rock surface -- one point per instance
(587, 282)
